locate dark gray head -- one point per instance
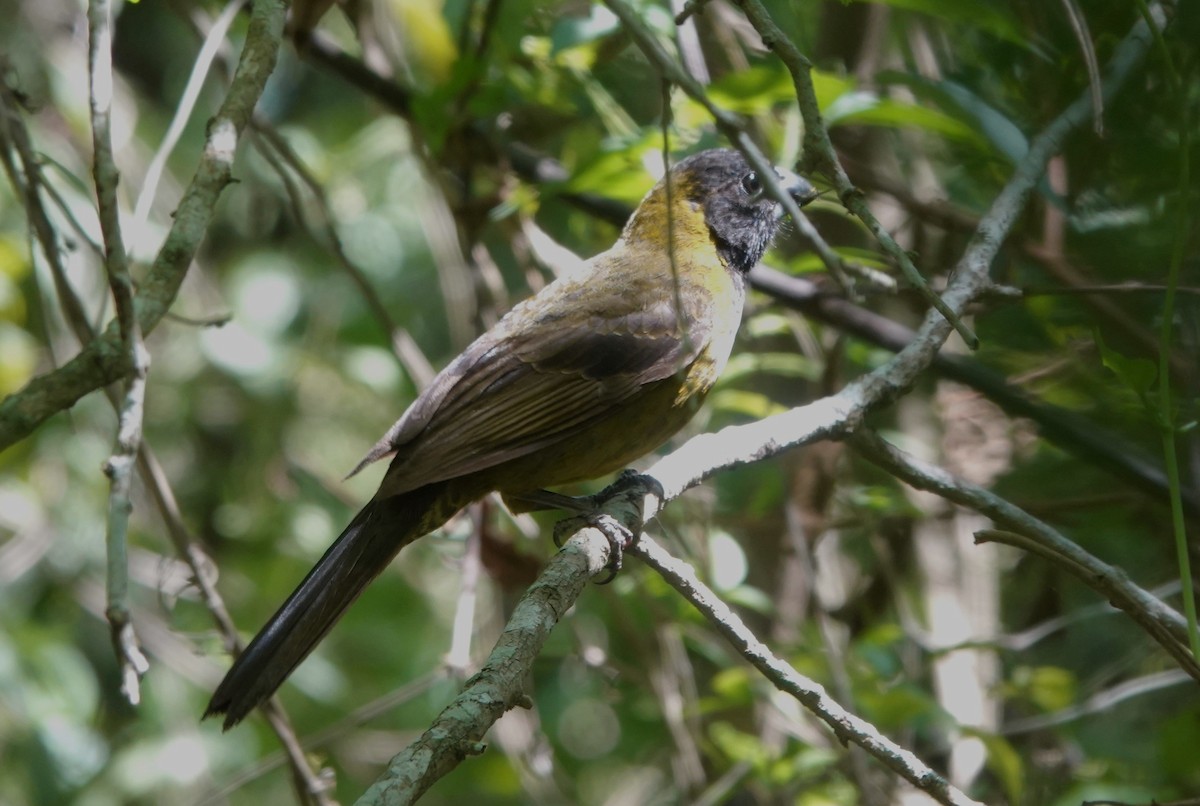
(741, 216)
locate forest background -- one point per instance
(1003, 599)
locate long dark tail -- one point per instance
(363, 550)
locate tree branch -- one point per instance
(500, 684)
(819, 152)
(1070, 431)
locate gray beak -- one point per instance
(796, 186)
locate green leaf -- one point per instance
(617, 174)
(570, 32)
(1137, 374)
(896, 706)
(733, 684)
(750, 404)
(738, 745)
(1050, 688)
(750, 91)
(1003, 761)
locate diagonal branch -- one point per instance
(500, 683)
(1068, 430)
(1071, 432)
(845, 725)
(816, 141)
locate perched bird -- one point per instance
(596, 370)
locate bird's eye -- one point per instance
(751, 185)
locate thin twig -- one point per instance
(29, 182)
(846, 726)
(326, 736)
(457, 731)
(404, 347)
(500, 684)
(309, 784)
(1131, 287)
(1166, 413)
(119, 467)
(202, 569)
(458, 657)
(1099, 702)
(1068, 430)
(948, 216)
(1084, 36)
(732, 126)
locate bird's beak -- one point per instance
(796, 186)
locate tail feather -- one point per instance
(363, 550)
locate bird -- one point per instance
(599, 368)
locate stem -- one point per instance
(1166, 418)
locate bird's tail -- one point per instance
(364, 549)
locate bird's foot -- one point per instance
(619, 536)
(629, 480)
(622, 529)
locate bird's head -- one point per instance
(718, 193)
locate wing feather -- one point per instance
(537, 377)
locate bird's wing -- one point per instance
(535, 380)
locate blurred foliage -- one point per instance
(255, 420)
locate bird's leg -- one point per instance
(586, 512)
(538, 500)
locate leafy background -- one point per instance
(856, 580)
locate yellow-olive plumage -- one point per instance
(596, 370)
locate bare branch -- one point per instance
(183, 110)
(1099, 702)
(404, 347)
(733, 127)
(1084, 37)
(1070, 431)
